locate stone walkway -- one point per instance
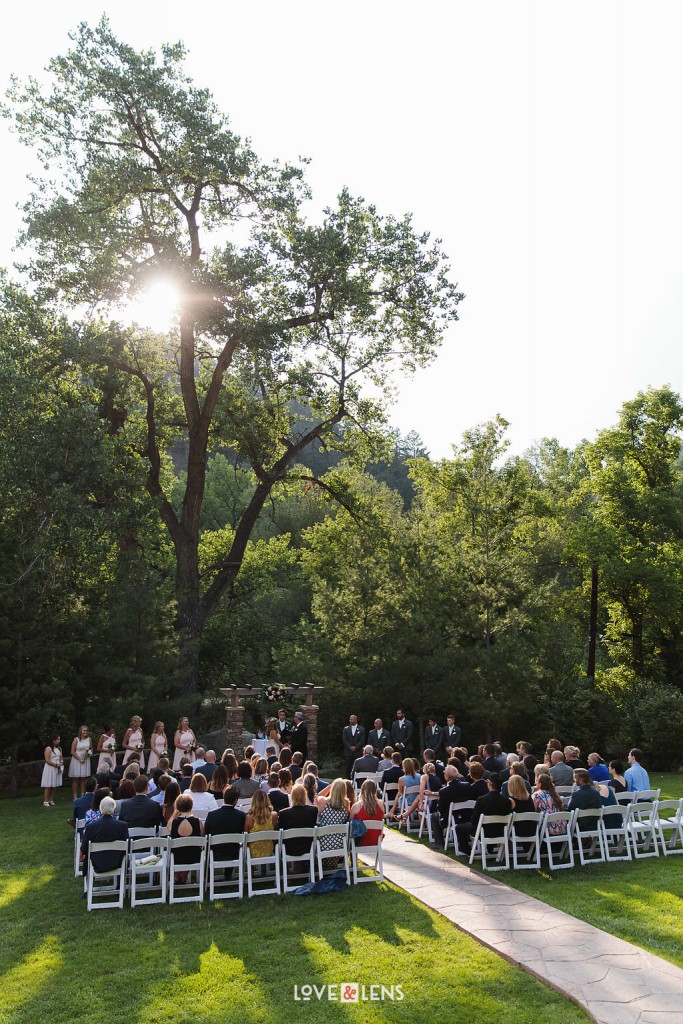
(615, 982)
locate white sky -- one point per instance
(540, 141)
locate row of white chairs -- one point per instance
(595, 834)
(150, 867)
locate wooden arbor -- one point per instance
(234, 712)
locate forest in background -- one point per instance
(225, 502)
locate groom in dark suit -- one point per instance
(284, 729)
(402, 734)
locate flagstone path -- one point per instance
(614, 981)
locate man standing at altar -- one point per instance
(353, 738)
(284, 729)
(402, 733)
(299, 735)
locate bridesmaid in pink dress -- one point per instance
(184, 739)
(106, 748)
(134, 741)
(158, 744)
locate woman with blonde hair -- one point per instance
(410, 778)
(335, 812)
(134, 741)
(106, 748)
(261, 818)
(185, 743)
(369, 808)
(79, 766)
(541, 769)
(158, 746)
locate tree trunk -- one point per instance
(188, 616)
(593, 624)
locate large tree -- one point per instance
(149, 180)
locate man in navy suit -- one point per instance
(226, 820)
(434, 737)
(402, 734)
(379, 737)
(140, 811)
(105, 830)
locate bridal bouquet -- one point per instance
(140, 746)
(275, 692)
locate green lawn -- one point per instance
(234, 962)
(641, 902)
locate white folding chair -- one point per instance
(671, 822)
(615, 835)
(366, 853)
(498, 843)
(197, 867)
(201, 813)
(626, 798)
(560, 839)
(564, 790)
(227, 888)
(529, 844)
(147, 869)
(78, 835)
(114, 881)
(360, 777)
(591, 833)
(305, 861)
(272, 882)
(451, 825)
(389, 794)
(429, 801)
(340, 849)
(243, 805)
(648, 795)
(642, 828)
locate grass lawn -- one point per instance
(234, 962)
(641, 902)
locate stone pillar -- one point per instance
(310, 713)
(234, 725)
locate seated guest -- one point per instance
(572, 757)
(199, 758)
(285, 777)
(170, 796)
(202, 801)
(585, 796)
(209, 767)
(248, 752)
(597, 769)
(83, 803)
(296, 767)
(271, 755)
(107, 829)
(186, 773)
(429, 757)
(226, 820)
(553, 744)
(457, 790)
(617, 780)
(499, 754)
(261, 773)
(182, 824)
(635, 775)
(126, 791)
(385, 760)
(312, 769)
(369, 808)
(335, 812)
(509, 761)
(218, 781)
(229, 761)
(521, 804)
(300, 814)
(523, 747)
(490, 758)
(493, 803)
(393, 774)
(560, 773)
(163, 782)
(94, 813)
(261, 818)
(547, 800)
(310, 784)
(530, 762)
(367, 762)
(286, 757)
(542, 769)
(409, 780)
(518, 771)
(278, 799)
(140, 811)
(608, 798)
(245, 785)
(429, 782)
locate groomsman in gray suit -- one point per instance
(353, 738)
(434, 737)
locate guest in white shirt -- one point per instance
(202, 801)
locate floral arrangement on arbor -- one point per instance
(275, 692)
